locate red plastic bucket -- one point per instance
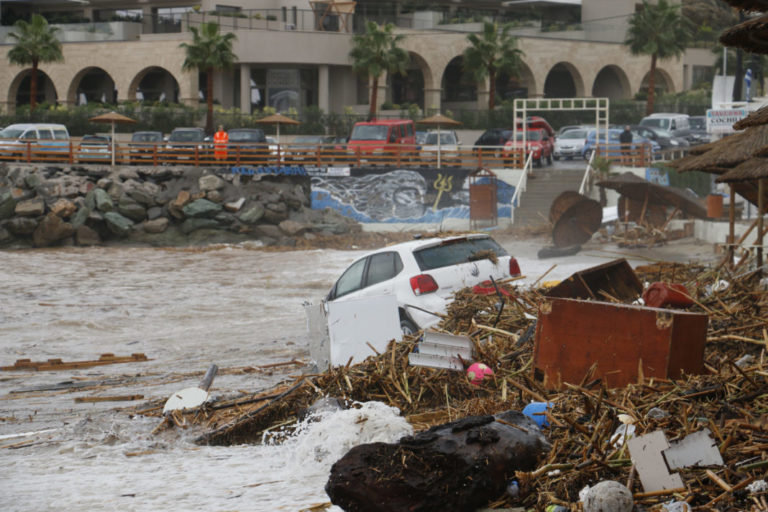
(660, 294)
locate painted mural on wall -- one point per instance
(427, 195)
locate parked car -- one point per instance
(383, 137)
(665, 139)
(247, 144)
(39, 138)
(183, 142)
(614, 149)
(537, 122)
(570, 127)
(94, 148)
(425, 274)
(570, 143)
(449, 146)
(306, 147)
(537, 142)
(144, 144)
(699, 133)
(676, 124)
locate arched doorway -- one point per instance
(21, 88)
(154, 85)
(409, 88)
(457, 85)
(663, 83)
(521, 85)
(93, 85)
(563, 81)
(612, 83)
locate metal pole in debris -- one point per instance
(731, 222)
(760, 213)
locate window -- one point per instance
(454, 252)
(29, 135)
(351, 280)
(383, 266)
(45, 134)
(60, 134)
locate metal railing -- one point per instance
(587, 174)
(199, 154)
(521, 185)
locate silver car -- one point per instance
(570, 143)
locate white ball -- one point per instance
(608, 496)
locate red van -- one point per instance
(382, 135)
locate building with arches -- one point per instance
(295, 54)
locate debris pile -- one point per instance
(588, 424)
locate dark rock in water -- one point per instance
(7, 205)
(21, 225)
(80, 217)
(458, 466)
(130, 208)
(322, 405)
(86, 236)
(191, 225)
(50, 230)
(118, 224)
(156, 225)
(554, 252)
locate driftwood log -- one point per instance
(457, 466)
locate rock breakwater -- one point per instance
(43, 206)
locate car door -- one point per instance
(367, 277)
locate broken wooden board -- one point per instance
(116, 398)
(58, 364)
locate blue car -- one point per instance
(614, 148)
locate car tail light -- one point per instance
(514, 267)
(422, 284)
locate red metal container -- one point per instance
(619, 340)
(659, 295)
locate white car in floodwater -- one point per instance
(424, 274)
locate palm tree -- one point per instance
(492, 52)
(35, 43)
(209, 50)
(375, 52)
(658, 30)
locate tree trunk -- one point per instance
(33, 86)
(651, 87)
(209, 101)
(491, 88)
(374, 98)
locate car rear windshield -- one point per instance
(369, 132)
(11, 133)
(445, 138)
(147, 137)
(455, 252)
(246, 137)
(186, 136)
(656, 122)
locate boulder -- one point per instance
(118, 224)
(458, 466)
(7, 204)
(292, 228)
(80, 217)
(154, 212)
(139, 192)
(103, 201)
(63, 208)
(21, 225)
(30, 208)
(86, 236)
(608, 496)
(190, 225)
(176, 205)
(50, 230)
(202, 209)
(5, 236)
(214, 195)
(32, 180)
(234, 206)
(268, 230)
(131, 209)
(275, 213)
(115, 190)
(210, 182)
(156, 225)
(253, 214)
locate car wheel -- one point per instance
(408, 327)
(557, 158)
(588, 154)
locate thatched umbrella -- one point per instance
(725, 153)
(634, 187)
(757, 118)
(437, 120)
(751, 178)
(749, 5)
(112, 118)
(751, 35)
(277, 119)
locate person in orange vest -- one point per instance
(220, 140)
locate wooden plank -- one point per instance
(114, 398)
(55, 364)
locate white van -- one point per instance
(44, 136)
(677, 124)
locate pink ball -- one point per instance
(477, 372)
